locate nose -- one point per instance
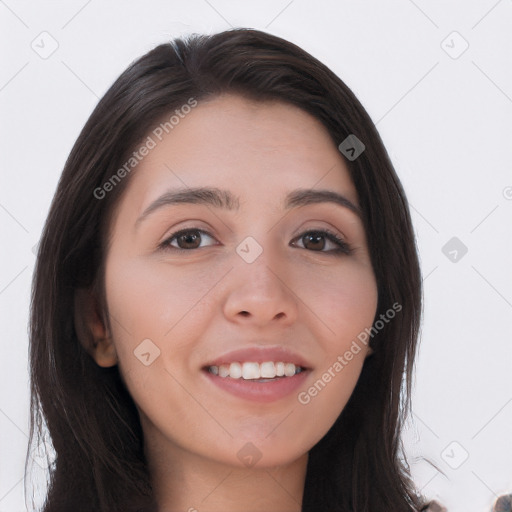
(260, 295)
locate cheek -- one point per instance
(345, 303)
(156, 314)
(343, 299)
(150, 299)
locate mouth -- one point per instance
(258, 374)
(268, 371)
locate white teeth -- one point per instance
(268, 370)
(251, 371)
(289, 369)
(255, 371)
(235, 370)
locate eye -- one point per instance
(313, 240)
(318, 240)
(186, 239)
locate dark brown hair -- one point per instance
(94, 426)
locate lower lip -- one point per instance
(263, 392)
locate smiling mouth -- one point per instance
(268, 371)
(258, 382)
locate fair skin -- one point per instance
(199, 303)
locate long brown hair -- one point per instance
(91, 418)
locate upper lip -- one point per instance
(260, 355)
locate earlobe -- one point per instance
(105, 353)
(91, 329)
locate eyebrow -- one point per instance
(224, 199)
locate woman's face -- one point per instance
(252, 269)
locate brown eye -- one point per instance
(314, 241)
(186, 239)
(189, 240)
(317, 241)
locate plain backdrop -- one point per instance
(436, 78)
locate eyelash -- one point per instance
(343, 248)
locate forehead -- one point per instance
(258, 150)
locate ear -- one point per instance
(91, 329)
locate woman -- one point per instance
(227, 295)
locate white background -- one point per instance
(445, 122)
